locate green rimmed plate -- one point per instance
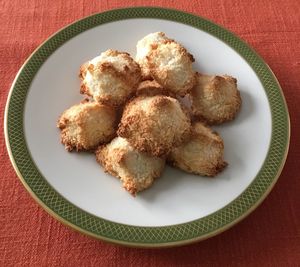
(179, 208)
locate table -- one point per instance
(270, 236)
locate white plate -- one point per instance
(176, 197)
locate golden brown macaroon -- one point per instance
(86, 125)
(151, 88)
(154, 124)
(143, 49)
(136, 170)
(215, 99)
(202, 154)
(171, 66)
(110, 78)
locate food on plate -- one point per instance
(202, 154)
(142, 113)
(171, 66)
(143, 49)
(215, 99)
(151, 88)
(154, 124)
(110, 78)
(86, 125)
(136, 170)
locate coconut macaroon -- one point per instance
(110, 78)
(171, 66)
(215, 99)
(86, 125)
(143, 49)
(154, 124)
(202, 154)
(136, 170)
(151, 88)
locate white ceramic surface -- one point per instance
(176, 197)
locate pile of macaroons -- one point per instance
(135, 120)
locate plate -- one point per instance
(180, 208)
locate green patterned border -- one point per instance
(97, 227)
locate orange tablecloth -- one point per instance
(270, 236)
